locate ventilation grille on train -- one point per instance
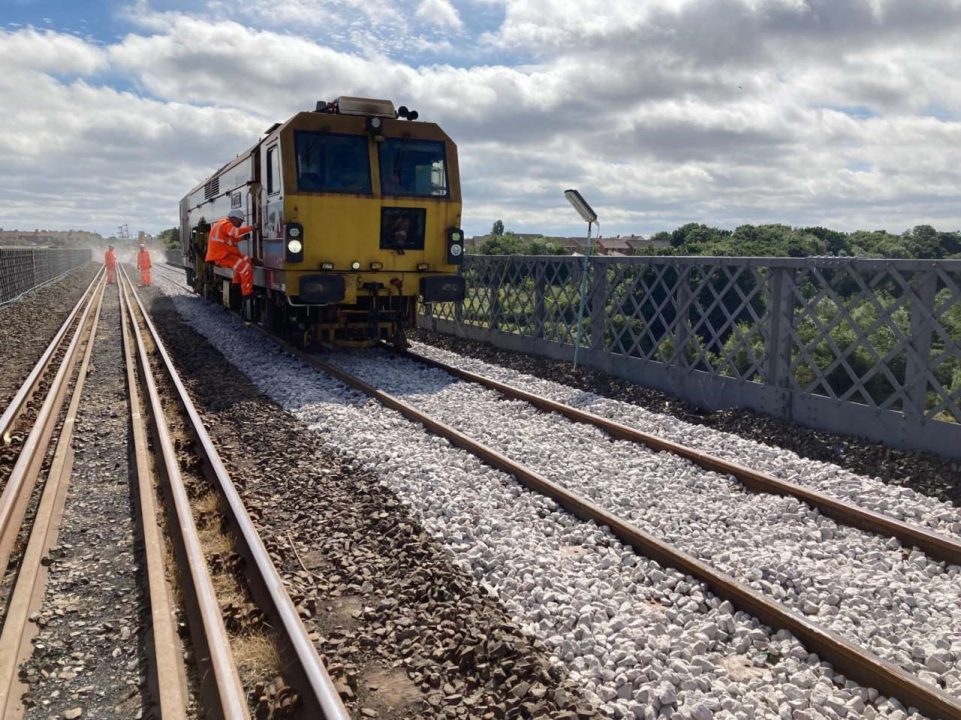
(212, 188)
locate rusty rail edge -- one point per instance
(26, 389)
(937, 545)
(308, 675)
(19, 488)
(168, 673)
(28, 591)
(853, 661)
(220, 681)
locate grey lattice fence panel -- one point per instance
(844, 344)
(22, 269)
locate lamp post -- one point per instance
(586, 212)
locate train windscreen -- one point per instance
(328, 162)
(415, 168)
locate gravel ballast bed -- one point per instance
(863, 586)
(642, 640)
(406, 633)
(902, 503)
(923, 472)
(28, 324)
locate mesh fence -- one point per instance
(878, 334)
(24, 268)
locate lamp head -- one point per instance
(580, 204)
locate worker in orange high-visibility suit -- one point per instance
(143, 265)
(222, 249)
(110, 261)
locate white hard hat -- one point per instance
(236, 213)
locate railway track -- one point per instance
(846, 656)
(172, 273)
(27, 544)
(937, 545)
(186, 500)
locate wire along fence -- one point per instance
(842, 344)
(22, 269)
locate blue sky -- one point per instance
(843, 113)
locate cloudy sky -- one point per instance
(843, 113)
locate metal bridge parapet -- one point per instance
(24, 268)
(869, 346)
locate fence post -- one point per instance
(781, 304)
(598, 307)
(682, 298)
(540, 271)
(924, 288)
(35, 278)
(497, 275)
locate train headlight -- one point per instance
(376, 266)
(355, 265)
(326, 266)
(294, 243)
(455, 246)
(423, 267)
(375, 125)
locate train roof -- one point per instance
(343, 105)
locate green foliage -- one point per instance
(169, 238)
(778, 240)
(510, 244)
(498, 229)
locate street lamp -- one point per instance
(590, 217)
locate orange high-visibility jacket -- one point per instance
(223, 236)
(143, 260)
(110, 259)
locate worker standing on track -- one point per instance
(110, 261)
(143, 265)
(222, 249)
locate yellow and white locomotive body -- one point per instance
(356, 212)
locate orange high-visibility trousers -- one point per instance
(112, 274)
(145, 276)
(242, 267)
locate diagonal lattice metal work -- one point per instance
(24, 268)
(827, 340)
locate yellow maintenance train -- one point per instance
(356, 210)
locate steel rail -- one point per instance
(224, 693)
(937, 545)
(165, 270)
(307, 675)
(168, 673)
(12, 410)
(28, 592)
(846, 657)
(23, 478)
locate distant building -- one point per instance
(614, 246)
(643, 246)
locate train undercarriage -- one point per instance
(382, 315)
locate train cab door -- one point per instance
(272, 206)
(256, 222)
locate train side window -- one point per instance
(273, 170)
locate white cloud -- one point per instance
(842, 113)
(50, 52)
(438, 12)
